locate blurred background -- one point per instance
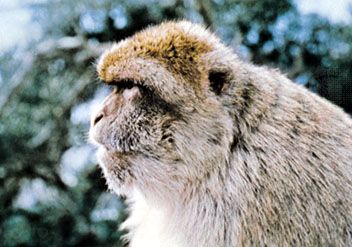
(52, 192)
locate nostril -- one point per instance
(98, 118)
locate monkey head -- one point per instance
(165, 123)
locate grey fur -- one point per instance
(263, 162)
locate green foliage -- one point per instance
(51, 191)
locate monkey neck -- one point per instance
(190, 214)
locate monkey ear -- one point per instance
(218, 81)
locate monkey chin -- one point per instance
(116, 167)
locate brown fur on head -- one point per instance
(214, 151)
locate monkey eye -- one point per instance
(119, 86)
(126, 84)
(123, 84)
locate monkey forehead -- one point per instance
(176, 45)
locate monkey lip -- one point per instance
(109, 146)
(118, 151)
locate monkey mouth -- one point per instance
(111, 150)
(114, 149)
(111, 145)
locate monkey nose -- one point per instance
(97, 118)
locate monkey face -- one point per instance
(132, 120)
(163, 121)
